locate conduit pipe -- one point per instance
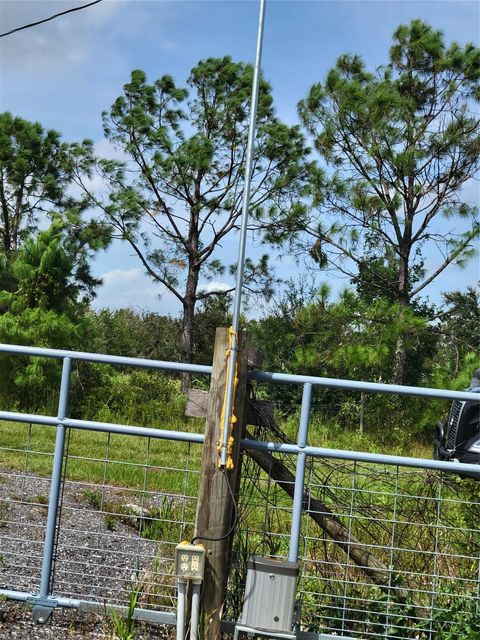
(181, 599)
(195, 616)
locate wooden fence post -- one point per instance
(362, 411)
(215, 505)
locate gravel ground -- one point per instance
(16, 624)
(95, 558)
(67, 624)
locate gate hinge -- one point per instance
(42, 608)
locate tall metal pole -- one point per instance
(243, 238)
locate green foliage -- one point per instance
(162, 522)
(37, 169)
(42, 311)
(458, 326)
(398, 144)
(124, 625)
(350, 338)
(138, 335)
(213, 312)
(187, 148)
(32, 166)
(136, 397)
(455, 616)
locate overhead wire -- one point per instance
(57, 15)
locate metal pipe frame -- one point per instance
(53, 502)
(44, 601)
(271, 447)
(146, 615)
(360, 456)
(258, 376)
(371, 387)
(142, 363)
(300, 474)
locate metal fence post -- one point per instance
(300, 473)
(43, 605)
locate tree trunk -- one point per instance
(400, 364)
(400, 361)
(187, 340)
(362, 412)
(187, 324)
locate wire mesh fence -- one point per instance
(387, 547)
(126, 502)
(386, 552)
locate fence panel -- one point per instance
(388, 547)
(26, 458)
(420, 526)
(126, 502)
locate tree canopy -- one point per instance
(43, 310)
(397, 146)
(178, 195)
(36, 179)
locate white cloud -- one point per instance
(105, 149)
(215, 285)
(124, 288)
(120, 276)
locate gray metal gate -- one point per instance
(92, 511)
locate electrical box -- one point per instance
(190, 561)
(269, 597)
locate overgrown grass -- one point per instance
(172, 468)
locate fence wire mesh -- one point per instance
(126, 502)
(386, 552)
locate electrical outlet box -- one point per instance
(269, 594)
(190, 561)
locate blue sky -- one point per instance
(66, 72)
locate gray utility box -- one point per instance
(269, 594)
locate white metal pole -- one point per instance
(195, 617)
(243, 236)
(182, 591)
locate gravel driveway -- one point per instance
(99, 549)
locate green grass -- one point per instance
(121, 461)
(115, 459)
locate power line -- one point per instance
(62, 13)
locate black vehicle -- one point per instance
(459, 439)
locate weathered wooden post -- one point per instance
(362, 412)
(215, 510)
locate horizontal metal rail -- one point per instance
(259, 376)
(142, 363)
(273, 447)
(104, 427)
(360, 456)
(353, 385)
(144, 615)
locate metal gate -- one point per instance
(91, 512)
